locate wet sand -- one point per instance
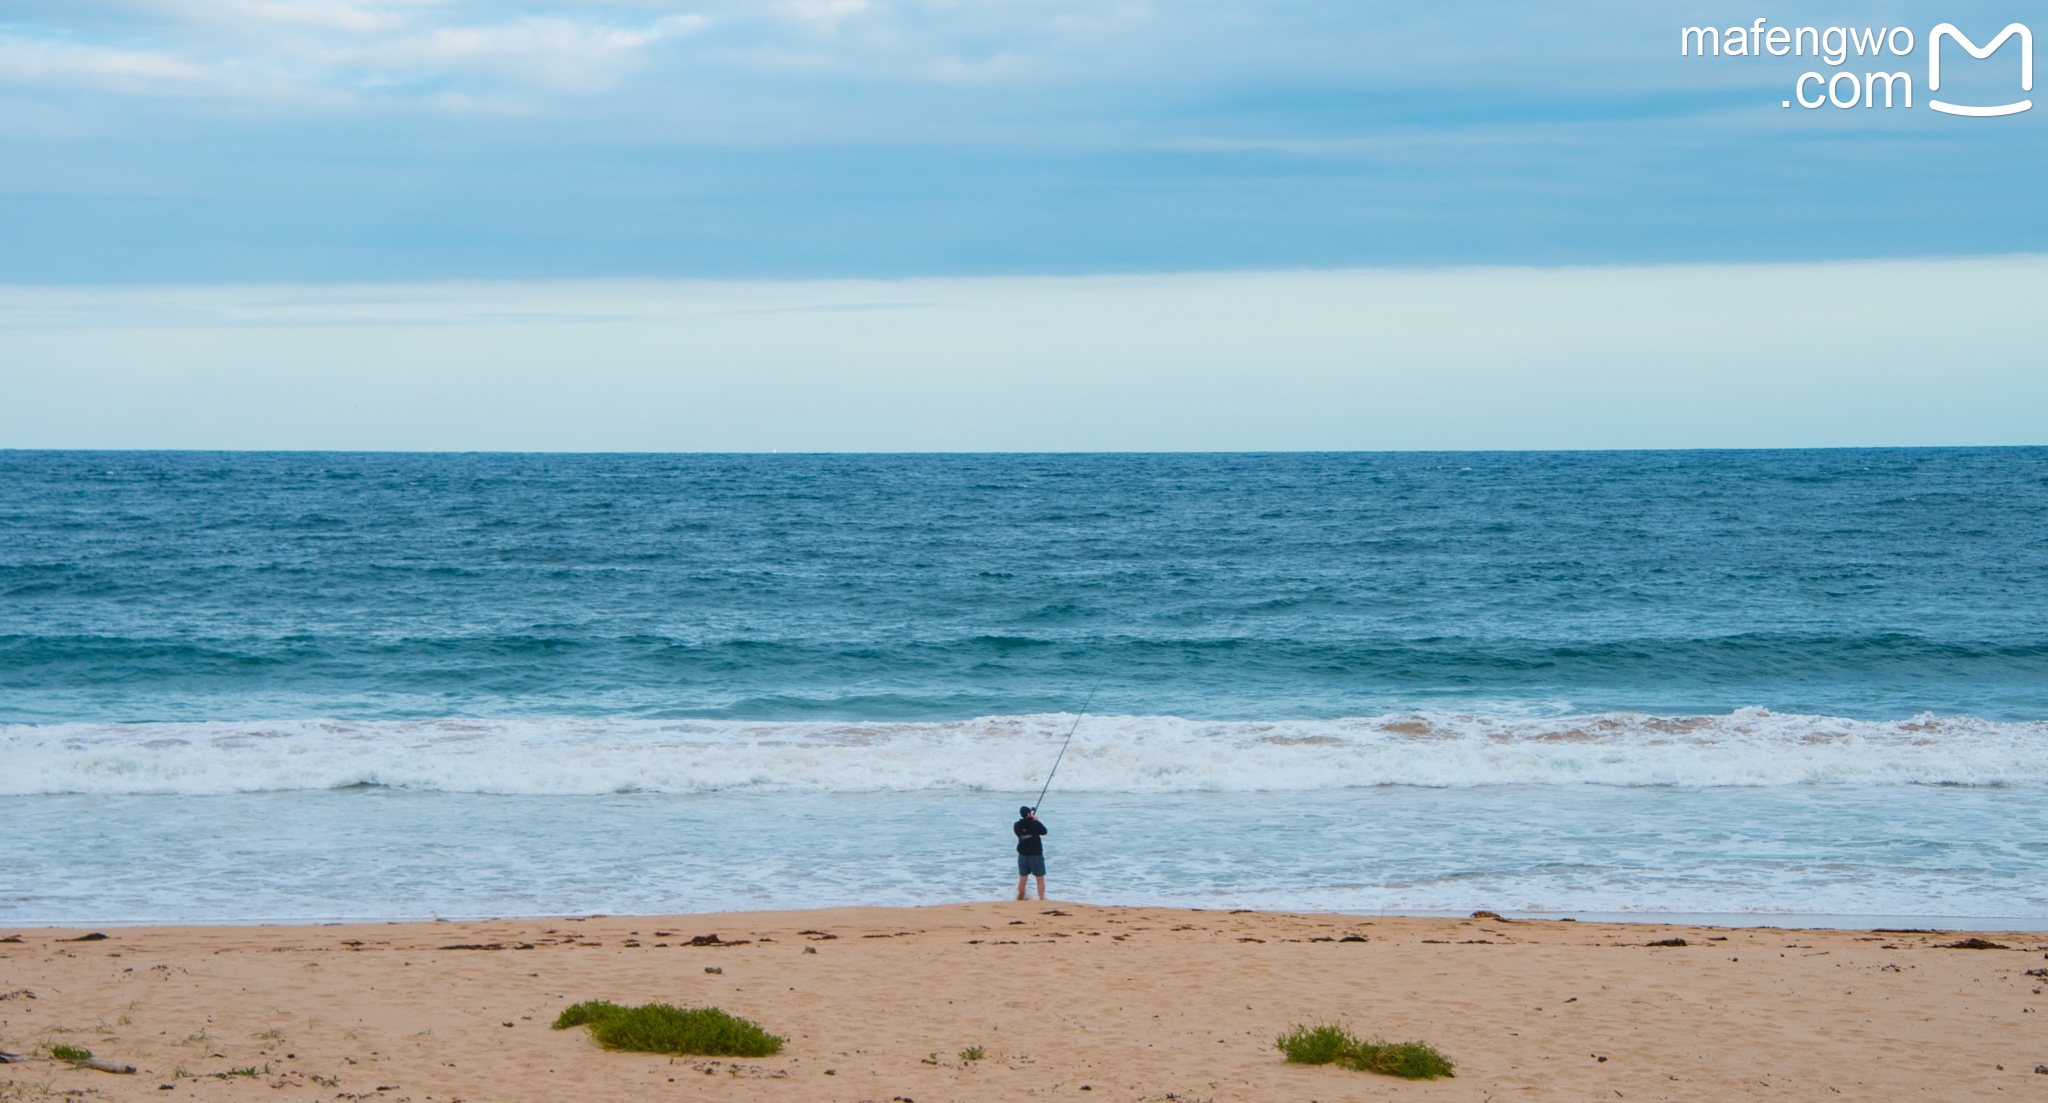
(1067, 1001)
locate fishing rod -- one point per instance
(1085, 702)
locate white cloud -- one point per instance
(822, 15)
(331, 16)
(999, 67)
(553, 52)
(488, 50)
(321, 48)
(66, 64)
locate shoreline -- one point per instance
(1134, 1002)
(1759, 921)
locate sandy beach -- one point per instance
(1067, 1001)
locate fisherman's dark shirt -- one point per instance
(1028, 832)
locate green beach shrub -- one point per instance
(1326, 1045)
(70, 1053)
(1408, 1060)
(665, 1028)
(1319, 1045)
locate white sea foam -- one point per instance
(1750, 747)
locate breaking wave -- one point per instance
(1125, 754)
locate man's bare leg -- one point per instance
(1041, 888)
(1023, 877)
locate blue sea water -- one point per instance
(312, 685)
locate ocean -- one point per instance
(1761, 686)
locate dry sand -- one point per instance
(1069, 1001)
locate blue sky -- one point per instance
(1001, 224)
(167, 141)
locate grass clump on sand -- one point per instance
(665, 1028)
(1326, 1045)
(72, 1054)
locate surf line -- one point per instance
(1085, 702)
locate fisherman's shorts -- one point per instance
(1030, 864)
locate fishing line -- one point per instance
(1085, 702)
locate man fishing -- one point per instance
(1030, 852)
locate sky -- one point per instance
(1845, 353)
(236, 140)
(486, 155)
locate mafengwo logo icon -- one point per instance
(1857, 86)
